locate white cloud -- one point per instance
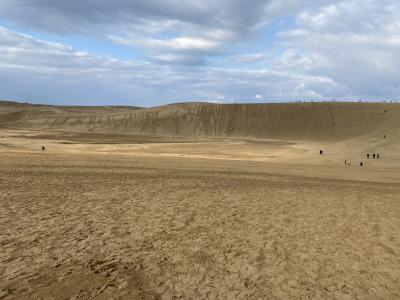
(205, 27)
(53, 72)
(183, 44)
(354, 43)
(202, 50)
(250, 58)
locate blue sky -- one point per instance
(131, 52)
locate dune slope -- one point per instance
(305, 121)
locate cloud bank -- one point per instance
(219, 51)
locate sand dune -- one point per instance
(199, 201)
(307, 121)
(347, 129)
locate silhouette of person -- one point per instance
(321, 152)
(43, 148)
(368, 155)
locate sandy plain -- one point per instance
(99, 216)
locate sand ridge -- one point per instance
(293, 121)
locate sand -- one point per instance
(144, 217)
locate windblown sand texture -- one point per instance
(200, 201)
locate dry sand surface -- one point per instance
(140, 217)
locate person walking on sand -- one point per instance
(321, 152)
(361, 164)
(368, 156)
(374, 155)
(43, 148)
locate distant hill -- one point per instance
(296, 121)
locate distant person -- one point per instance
(384, 136)
(345, 162)
(321, 152)
(361, 164)
(374, 155)
(377, 156)
(368, 156)
(43, 148)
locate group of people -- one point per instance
(348, 162)
(373, 156)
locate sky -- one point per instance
(154, 52)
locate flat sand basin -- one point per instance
(85, 220)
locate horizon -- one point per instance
(130, 53)
(208, 102)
